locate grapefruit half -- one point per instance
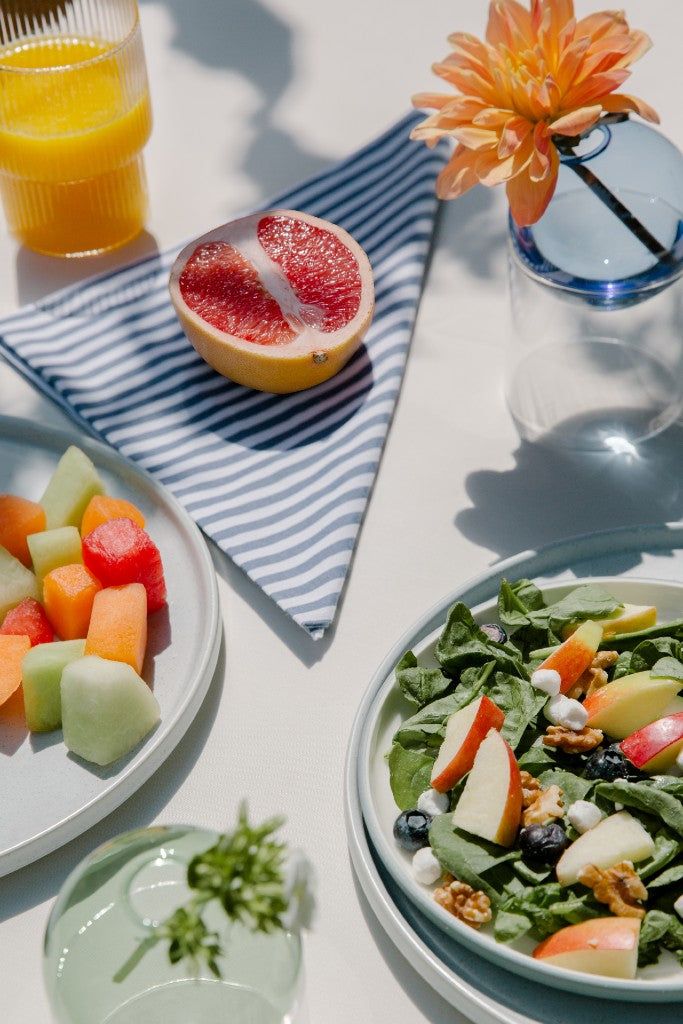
(278, 301)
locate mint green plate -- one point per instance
(48, 796)
(642, 565)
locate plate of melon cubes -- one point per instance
(109, 633)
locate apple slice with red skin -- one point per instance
(602, 945)
(630, 703)
(465, 731)
(490, 805)
(575, 655)
(655, 747)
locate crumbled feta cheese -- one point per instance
(584, 815)
(618, 806)
(426, 867)
(432, 802)
(548, 680)
(678, 905)
(561, 710)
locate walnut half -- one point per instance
(570, 741)
(619, 887)
(547, 806)
(462, 901)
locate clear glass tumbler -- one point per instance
(74, 117)
(596, 358)
(111, 903)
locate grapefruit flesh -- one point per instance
(278, 301)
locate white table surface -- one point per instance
(249, 97)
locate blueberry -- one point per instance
(609, 763)
(542, 845)
(494, 632)
(411, 830)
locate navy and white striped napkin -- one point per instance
(279, 482)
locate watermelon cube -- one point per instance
(13, 649)
(28, 619)
(106, 709)
(18, 518)
(53, 548)
(16, 582)
(41, 675)
(74, 482)
(120, 552)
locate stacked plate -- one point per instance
(486, 980)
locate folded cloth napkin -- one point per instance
(279, 482)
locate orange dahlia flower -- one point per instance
(540, 73)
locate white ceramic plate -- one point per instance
(48, 796)
(661, 982)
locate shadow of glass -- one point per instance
(38, 275)
(158, 639)
(472, 232)
(36, 883)
(551, 494)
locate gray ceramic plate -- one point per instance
(48, 796)
(630, 559)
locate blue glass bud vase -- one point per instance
(596, 359)
(110, 904)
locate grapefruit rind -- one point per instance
(312, 357)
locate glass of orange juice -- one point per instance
(74, 117)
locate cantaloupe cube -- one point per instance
(118, 625)
(68, 595)
(102, 508)
(53, 548)
(18, 518)
(72, 485)
(12, 651)
(16, 582)
(106, 709)
(41, 675)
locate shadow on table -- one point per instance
(425, 1000)
(553, 494)
(41, 881)
(473, 232)
(246, 37)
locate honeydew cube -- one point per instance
(74, 482)
(53, 548)
(16, 583)
(41, 672)
(106, 709)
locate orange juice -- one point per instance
(74, 117)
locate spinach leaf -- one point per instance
(537, 758)
(667, 668)
(546, 908)
(528, 874)
(573, 786)
(668, 877)
(420, 685)
(462, 644)
(520, 702)
(409, 774)
(650, 653)
(645, 797)
(590, 601)
(658, 931)
(515, 602)
(668, 783)
(426, 728)
(667, 847)
(468, 858)
(630, 641)
(509, 926)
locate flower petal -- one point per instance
(475, 138)
(576, 122)
(509, 24)
(458, 176)
(516, 130)
(528, 199)
(621, 103)
(584, 93)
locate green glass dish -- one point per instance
(112, 902)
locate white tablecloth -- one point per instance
(249, 97)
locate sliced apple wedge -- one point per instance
(573, 657)
(655, 747)
(619, 837)
(629, 703)
(629, 619)
(603, 945)
(491, 802)
(465, 731)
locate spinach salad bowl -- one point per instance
(382, 716)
